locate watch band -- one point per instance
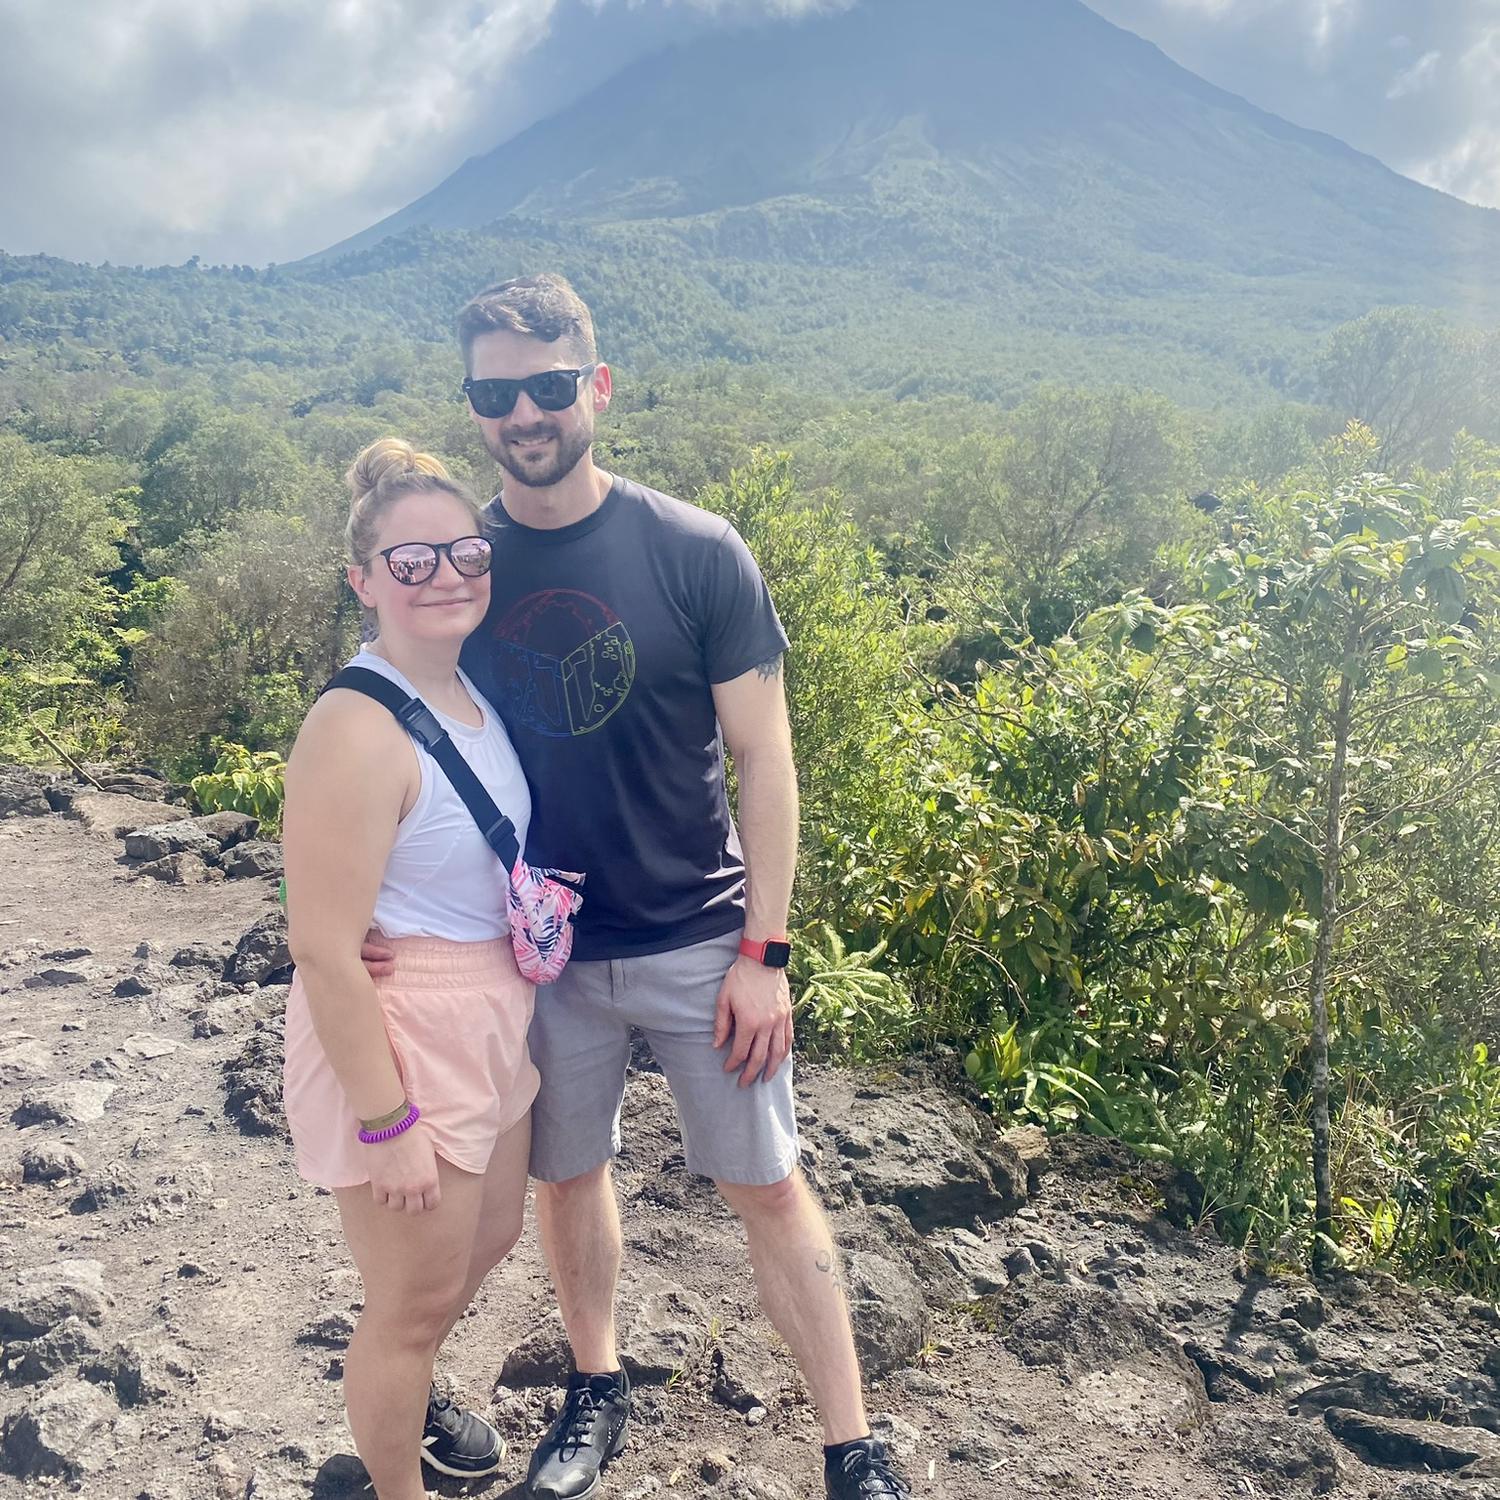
(774, 953)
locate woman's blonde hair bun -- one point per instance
(385, 471)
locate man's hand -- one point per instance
(377, 955)
(755, 1005)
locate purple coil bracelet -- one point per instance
(374, 1137)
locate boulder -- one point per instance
(257, 858)
(1384, 1393)
(888, 1308)
(252, 1081)
(113, 816)
(227, 829)
(49, 1161)
(23, 792)
(542, 1358)
(23, 1058)
(1280, 1456)
(62, 1347)
(137, 1374)
(65, 1431)
(182, 868)
(77, 1103)
(58, 976)
(1401, 1443)
(664, 1329)
(920, 1149)
(181, 836)
(261, 956)
(1125, 1369)
(45, 1295)
(209, 957)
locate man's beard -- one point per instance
(541, 470)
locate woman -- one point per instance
(430, 1198)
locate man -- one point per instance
(625, 631)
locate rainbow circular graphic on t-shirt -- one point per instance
(564, 663)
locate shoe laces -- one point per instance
(871, 1470)
(442, 1411)
(580, 1411)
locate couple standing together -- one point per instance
(589, 646)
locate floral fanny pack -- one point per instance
(542, 903)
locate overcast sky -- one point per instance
(261, 130)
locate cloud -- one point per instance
(254, 130)
(1414, 79)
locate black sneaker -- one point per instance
(459, 1442)
(862, 1470)
(588, 1432)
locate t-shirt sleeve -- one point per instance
(740, 628)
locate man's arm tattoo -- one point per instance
(769, 669)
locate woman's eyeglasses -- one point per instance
(415, 562)
(550, 390)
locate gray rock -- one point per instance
(1223, 1369)
(63, 1346)
(58, 977)
(332, 1330)
(113, 1184)
(228, 829)
(713, 1466)
(980, 1262)
(207, 956)
(898, 1435)
(133, 986)
(1282, 1457)
(23, 1059)
(261, 956)
(23, 792)
(1405, 1444)
(66, 955)
(922, 1150)
(252, 1081)
(177, 837)
(77, 1103)
(111, 815)
(238, 1012)
(49, 1161)
(1134, 1369)
(1384, 1393)
(148, 1047)
(664, 1330)
(257, 858)
(182, 868)
(137, 1374)
(743, 1373)
(755, 1483)
(45, 1295)
(888, 1309)
(64, 1431)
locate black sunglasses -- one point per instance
(550, 390)
(415, 562)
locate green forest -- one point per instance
(1148, 743)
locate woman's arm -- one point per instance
(350, 776)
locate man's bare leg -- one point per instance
(798, 1274)
(579, 1223)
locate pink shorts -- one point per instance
(456, 1015)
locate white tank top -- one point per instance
(442, 880)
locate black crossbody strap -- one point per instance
(422, 724)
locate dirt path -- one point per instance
(174, 1300)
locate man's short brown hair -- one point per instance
(542, 307)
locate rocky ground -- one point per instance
(1038, 1317)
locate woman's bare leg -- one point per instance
(414, 1268)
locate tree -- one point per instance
(56, 537)
(259, 624)
(231, 463)
(1407, 373)
(1085, 469)
(1359, 637)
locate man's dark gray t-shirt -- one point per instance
(601, 645)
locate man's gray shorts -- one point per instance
(580, 1041)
